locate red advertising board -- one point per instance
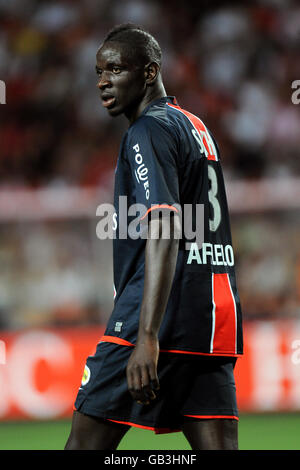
(40, 370)
(268, 375)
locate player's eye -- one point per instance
(116, 69)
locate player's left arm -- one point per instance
(153, 156)
(160, 263)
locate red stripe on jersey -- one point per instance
(202, 132)
(224, 315)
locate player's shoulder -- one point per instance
(155, 121)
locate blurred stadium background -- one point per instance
(234, 67)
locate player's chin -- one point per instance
(115, 111)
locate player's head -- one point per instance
(141, 47)
(128, 66)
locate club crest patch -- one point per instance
(86, 376)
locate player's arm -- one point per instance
(154, 148)
(160, 264)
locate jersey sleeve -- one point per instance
(152, 153)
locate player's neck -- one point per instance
(152, 94)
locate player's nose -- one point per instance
(103, 82)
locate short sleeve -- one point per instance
(152, 153)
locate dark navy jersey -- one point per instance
(169, 164)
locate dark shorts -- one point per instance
(191, 386)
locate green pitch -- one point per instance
(256, 432)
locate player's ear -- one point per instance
(151, 72)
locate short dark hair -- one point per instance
(142, 46)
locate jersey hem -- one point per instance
(124, 342)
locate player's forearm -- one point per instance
(160, 264)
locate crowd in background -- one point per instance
(231, 65)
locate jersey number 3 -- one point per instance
(212, 196)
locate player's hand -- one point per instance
(141, 371)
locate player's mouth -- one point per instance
(108, 100)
